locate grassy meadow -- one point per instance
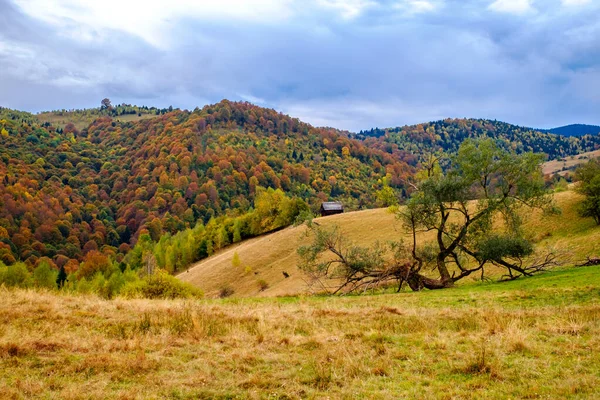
(80, 120)
(570, 163)
(530, 338)
(568, 236)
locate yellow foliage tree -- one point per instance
(235, 261)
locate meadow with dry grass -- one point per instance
(530, 338)
(568, 164)
(566, 235)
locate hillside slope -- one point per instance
(569, 236)
(568, 164)
(66, 192)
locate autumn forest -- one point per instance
(90, 186)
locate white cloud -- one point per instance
(575, 2)
(348, 9)
(154, 21)
(419, 6)
(422, 5)
(150, 20)
(252, 99)
(518, 7)
(411, 7)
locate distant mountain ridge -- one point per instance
(447, 135)
(574, 130)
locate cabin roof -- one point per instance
(332, 206)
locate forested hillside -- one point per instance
(69, 187)
(65, 192)
(448, 134)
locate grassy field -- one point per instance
(554, 166)
(530, 338)
(82, 121)
(567, 235)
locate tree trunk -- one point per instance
(443, 270)
(418, 282)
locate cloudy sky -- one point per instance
(351, 64)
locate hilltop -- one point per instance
(81, 119)
(575, 130)
(571, 237)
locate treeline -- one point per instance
(99, 275)
(145, 271)
(105, 109)
(173, 253)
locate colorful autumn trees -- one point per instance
(66, 192)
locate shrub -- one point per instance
(80, 286)
(235, 261)
(15, 275)
(97, 284)
(263, 285)
(160, 285)
(44, 276)
(226, 291)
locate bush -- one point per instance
(263, 285)
(97, 284)
(588, 176)
(15, 275)
(44, 276)
(160, 285)
(80, 286)
(226, 291)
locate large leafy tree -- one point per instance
(470, 203)
(473, 206)
(588, 176)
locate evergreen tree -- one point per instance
(61, 278)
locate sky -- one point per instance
(353, 64)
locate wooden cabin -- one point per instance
(331, 208)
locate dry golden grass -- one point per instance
(266, 258)
(554, 166)
(269, 256)
(535, 338)
(81, 121)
